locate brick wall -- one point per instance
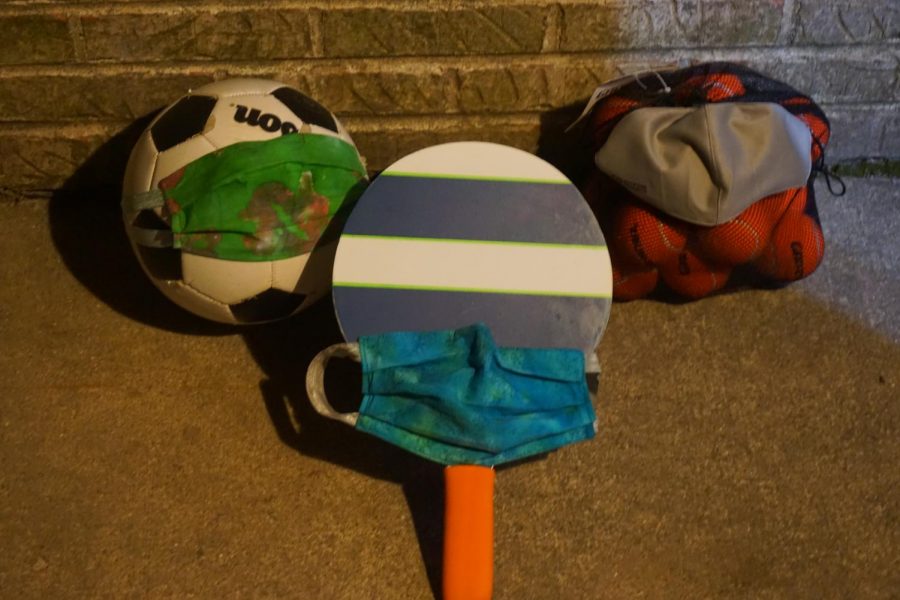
(404, 74)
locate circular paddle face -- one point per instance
(472, 231)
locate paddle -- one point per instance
(462, 233)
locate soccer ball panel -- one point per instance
(344, 135)
(137, 175)
(228, 281)
(161, 264)
(250, 118)
(196, 302)
(268, 306)
(238, 87)
(315, 279)
(172, 160)
(181, 121)
(305, 108)
(286, 272)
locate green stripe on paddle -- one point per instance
(400, 238)
(475, 177)
(425, 288)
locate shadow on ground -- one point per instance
(569, 150)
(86, 227)
(284, 350)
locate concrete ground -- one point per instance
(749, 443)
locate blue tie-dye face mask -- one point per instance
(454, 397)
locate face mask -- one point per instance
(706, 164)
(253, 201)
(455, 398)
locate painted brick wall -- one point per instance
(409, 73)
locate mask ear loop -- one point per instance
(315, 381)
(151, 238)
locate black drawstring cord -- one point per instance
(829, 174)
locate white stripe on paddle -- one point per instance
(473, 266)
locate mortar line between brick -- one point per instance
(452, 79)
(369, 123)
(467, 62)
(76, 32)
(553, 32)
(171, 7)
(436, 121)
(11, 196)
(314, 18)
(789, 21)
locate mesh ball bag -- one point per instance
(776, 239)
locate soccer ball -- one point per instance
(202, 121)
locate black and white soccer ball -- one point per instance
(204, 120)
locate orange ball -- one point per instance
(608, 110)
(798, 199)
(733, 243)
(631, 285)
(819, 130)
(743, 238)
(778, 204)
(646, 237)
(716, 87)
(612, 107)
(723, 86)
(590, 187)
(795, 250)
(796, 100)
(693, 277)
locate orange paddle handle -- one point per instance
(468, 533)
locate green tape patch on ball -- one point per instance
(261, 201)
